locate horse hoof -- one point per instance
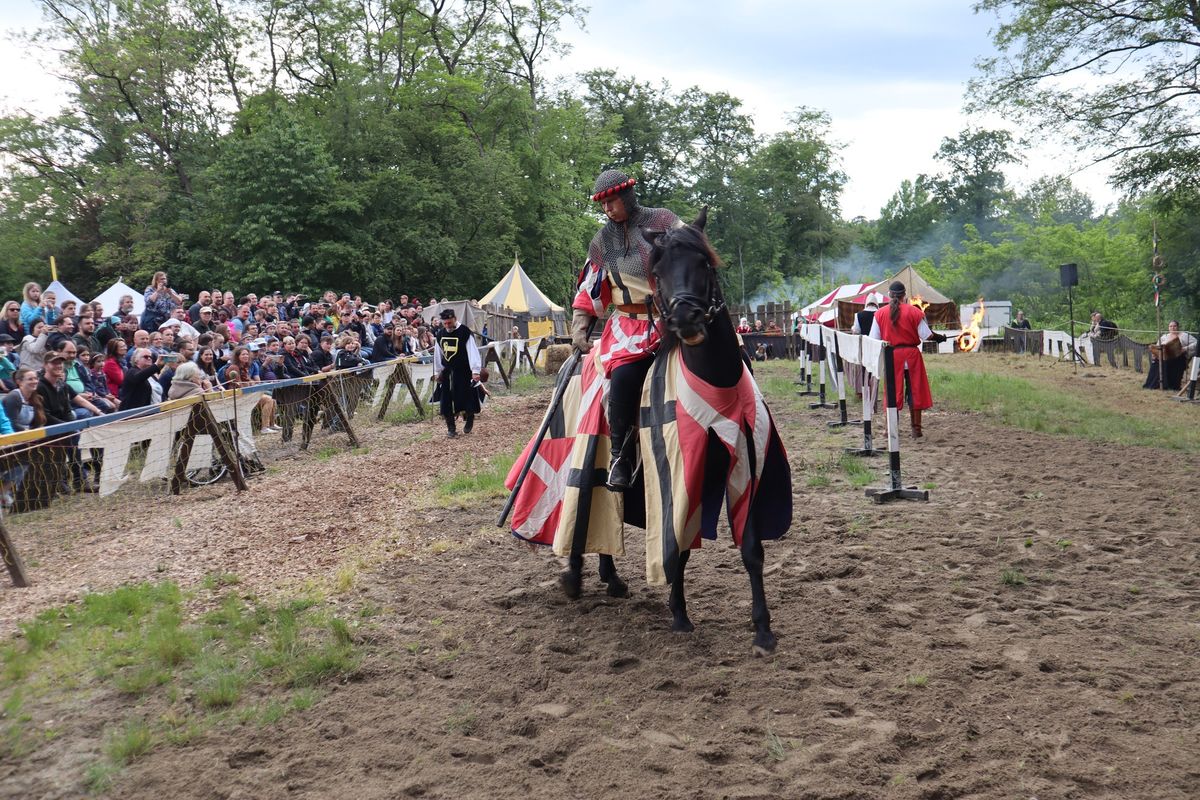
(682, 626)
(571, 583)
(763, 646)
(617, 587)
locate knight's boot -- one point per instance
(624, 459)
(915, 413)
(451, 428)
(469, 424)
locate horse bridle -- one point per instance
(709, 310)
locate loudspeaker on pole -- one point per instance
(1068, 274)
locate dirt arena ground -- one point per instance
(906, 667)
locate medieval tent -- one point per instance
(939, 309)
(824, 309)
(521, 294)
(110, 299)
(517, 291)
(62, 293)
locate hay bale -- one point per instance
(556, 356)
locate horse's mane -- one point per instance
(690, 236)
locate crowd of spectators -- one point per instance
(68, 361)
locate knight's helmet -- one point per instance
(615, 182)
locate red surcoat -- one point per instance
(905, 338)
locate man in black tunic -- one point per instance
(456, 369)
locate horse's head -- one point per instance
(688, 293)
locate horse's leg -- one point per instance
(609, 576)
(679, 618)
(571, 579)
(752, 558)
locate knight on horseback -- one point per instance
(617, 272)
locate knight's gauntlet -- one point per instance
(581, 323)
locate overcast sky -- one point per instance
(890, 74)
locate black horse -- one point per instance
(690, 300)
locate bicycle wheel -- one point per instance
(205, 475)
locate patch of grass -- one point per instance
(304, 700)
(916, 681)
(192, 673)
(344, 579)
(328, 662)
(1028, 541)
(462, 720)
(476, 479)
(220, 689)
(818, 480)
(402, 414)
(525, 384)
(134, 739)
(776, 747)
(215, 580)
(99, 777)
(342, 634)
(1023, 404)
(929, 485)
(140, 680)
(1013, 577)
(858, 473)
(1135, 590)
(1063, 544)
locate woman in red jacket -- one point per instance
(903, 326)
(113, 373)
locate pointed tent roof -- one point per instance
(840, 293)
(940, 311)
(62, 293)
(517, 291)
(110, 298)
(915, 284)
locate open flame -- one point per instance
(919, 302)
(970, 340)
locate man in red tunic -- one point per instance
(903, 326)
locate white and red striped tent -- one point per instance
(824, 310)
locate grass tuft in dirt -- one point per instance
(476, 479)
(1013, 577)
(525, 384)
(858, 473)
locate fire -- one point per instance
(969, 340)
(919, 302)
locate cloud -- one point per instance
(891, 76)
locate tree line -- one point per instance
(387, 146)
